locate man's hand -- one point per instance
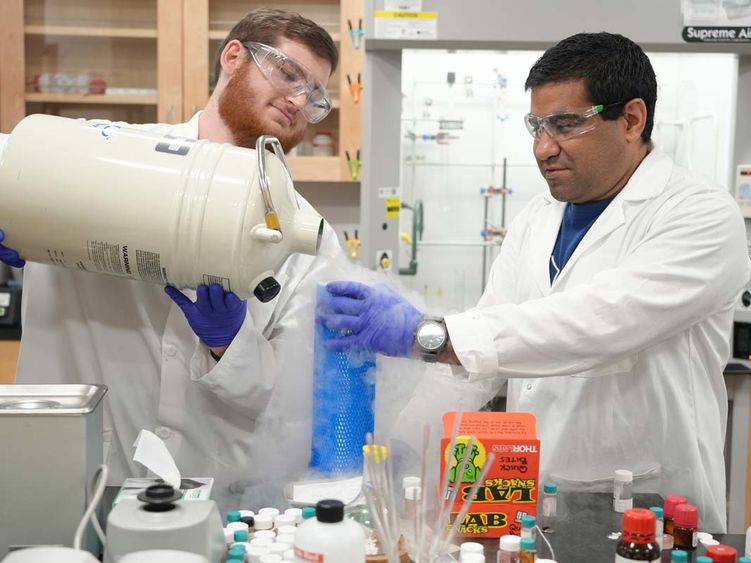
(216, 316)
(375, 319)
(10, 256)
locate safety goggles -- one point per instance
(565, 124)
(292, 79)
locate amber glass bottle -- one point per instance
(637, 541)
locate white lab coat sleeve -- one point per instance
(690, 264)
(244, 377)
(471, 333)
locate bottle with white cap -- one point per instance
(508, 549)
(470, 551)
(623, 498)
(330, 537)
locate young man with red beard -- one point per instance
(200, 385)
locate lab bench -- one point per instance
(583, 524)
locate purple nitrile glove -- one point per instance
(10, 256)
(215, 317)
(377, 319)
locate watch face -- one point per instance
(431, 336)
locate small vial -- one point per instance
(265, 534)
(659, 524)
(623, 498)
(241, 536)
(528, 527)
(284, 520)
(308, 512)
(744, 560)
(549, 505)
(508, 549)
(250, 521)
(254, 552)
(286, 530)
(246, 513)
(263, 522)
(411, 498)
(236, 552)
(273, 512)
(472, 558)
(289, 539)
(669, 507)
(233, 516)
(528, 552)
(471, 547)
(262, 542)
(679, 556)
(722, 553)
(296, 513)
(703, 559)
(637, 541)
(685, 526)
(703, 544)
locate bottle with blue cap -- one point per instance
(528, 526)
(679, 556)
(659, 526)
(527, 551)
(549, 505)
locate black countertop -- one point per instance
(582, 526)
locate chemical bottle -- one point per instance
(528, 526)
(330, 537)
(623, 498)
(659, 524)
(744, 560)
(508, 549)
(637, 541)
(685, 526)
(472, 558)
(679, 556)
(471, 547)
(703, 559)
(722, 553)
(308, 512)
(549, 505)
(668, 508)
(527, 553)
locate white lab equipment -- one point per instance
(103, 198)
(163, 556)
(51, 444)
(51, 553)
(159, 519)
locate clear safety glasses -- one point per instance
(565, 124)
(292, 79)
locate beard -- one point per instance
(239, 109)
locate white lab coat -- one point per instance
(621, 359)
(80, 327)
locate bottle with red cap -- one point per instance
(637, 541)
(722, 553)
(685, 526)
(669, 507)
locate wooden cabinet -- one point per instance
(151, 60)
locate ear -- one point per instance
(635, 114)
(232, 57)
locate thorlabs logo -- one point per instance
(515, 449)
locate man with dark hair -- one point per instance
(201, 385)
(610, 305)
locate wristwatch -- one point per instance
(430, 338)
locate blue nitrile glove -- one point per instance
(379, 319)
(216, 316)
(10, 256)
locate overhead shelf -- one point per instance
(220, 34)
(91, 99)
(88, 31)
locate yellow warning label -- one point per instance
(393, 204)
(413, 15)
